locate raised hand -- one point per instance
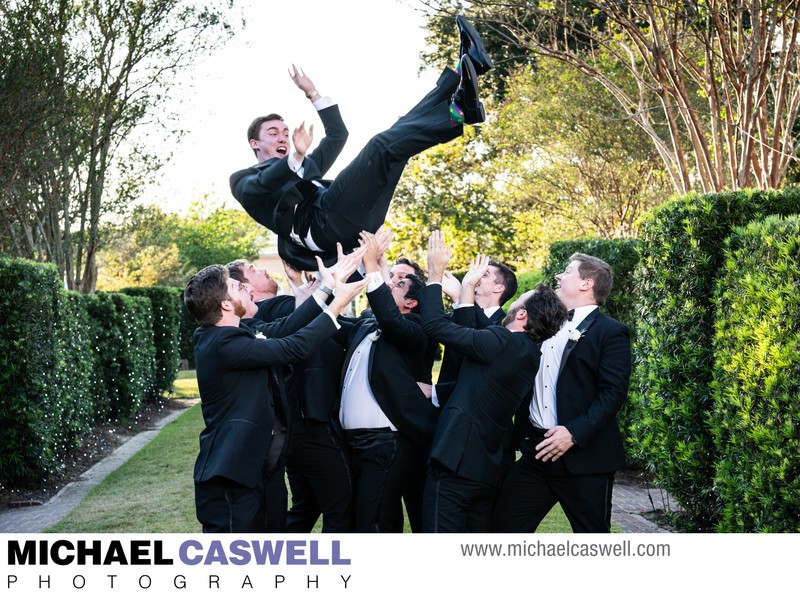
(373, 252)
(439, 255)
(344, 293)
(477, 268)
(451, 286)
(302, 139)
(301, 80)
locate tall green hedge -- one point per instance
(188, 326)
(682, 254)
(44, 351)
(123, 339)
(167, 310)
(756, 418)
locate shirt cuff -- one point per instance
(374, 281)
(332, 317)
(294, 165)
(322, 103)
(320, 301)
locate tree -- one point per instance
(566, 152)
(714, 82)
(142, 252)
(73, 158)
(556, 160)
(213, 234)
(447, 188)
(157, 248)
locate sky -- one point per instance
(364, 54)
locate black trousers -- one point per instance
(358, 199)
(318, 468)
(533, 487)
(456, 504)
(382, 462)
(227, 506)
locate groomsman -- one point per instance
(469, 451)
(497, 285)
(317, 461)
(239, 378)
(570, 442)
(385, 415)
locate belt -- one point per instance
(536, 431)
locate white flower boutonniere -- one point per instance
(575, 335)
(260, 335)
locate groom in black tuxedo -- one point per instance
(285, 190)
(569, 437)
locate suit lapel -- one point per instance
(582, 327)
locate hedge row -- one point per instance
(755, 422)
(68, 361)
(682, 257)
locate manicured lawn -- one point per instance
(154, 492)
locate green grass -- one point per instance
(186, 385)
(154, 491)
(151, 492)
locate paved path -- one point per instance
(629, 503)
(40, 517)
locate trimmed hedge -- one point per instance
(44, 355)
(167, 309)
(681, 257)
(756, 418)
(527, 281)
(123, 337)
(187, 327)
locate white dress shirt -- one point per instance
(543, 413)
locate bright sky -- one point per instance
(364, 54)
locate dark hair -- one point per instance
(236, 270)
(597, 270)
(507, 278)
(417, 268)
(205, 292)
(546, 313)
(255, 126)
(414, 289)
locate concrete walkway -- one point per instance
(630, 501)
(40, 517)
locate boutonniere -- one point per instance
(375, 335)
(259, 334)
(575, 335)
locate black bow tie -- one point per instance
(570, 314)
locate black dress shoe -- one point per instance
(472, 45)
(466, 95)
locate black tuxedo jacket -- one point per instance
(397, 362)
(315, 380)
(451, 361)
(236, 376)
(497, 372)
(276, 197)
(592, 386)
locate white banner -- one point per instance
(401, 563)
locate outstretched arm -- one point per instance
(335, 131)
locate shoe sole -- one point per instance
(485, 61)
